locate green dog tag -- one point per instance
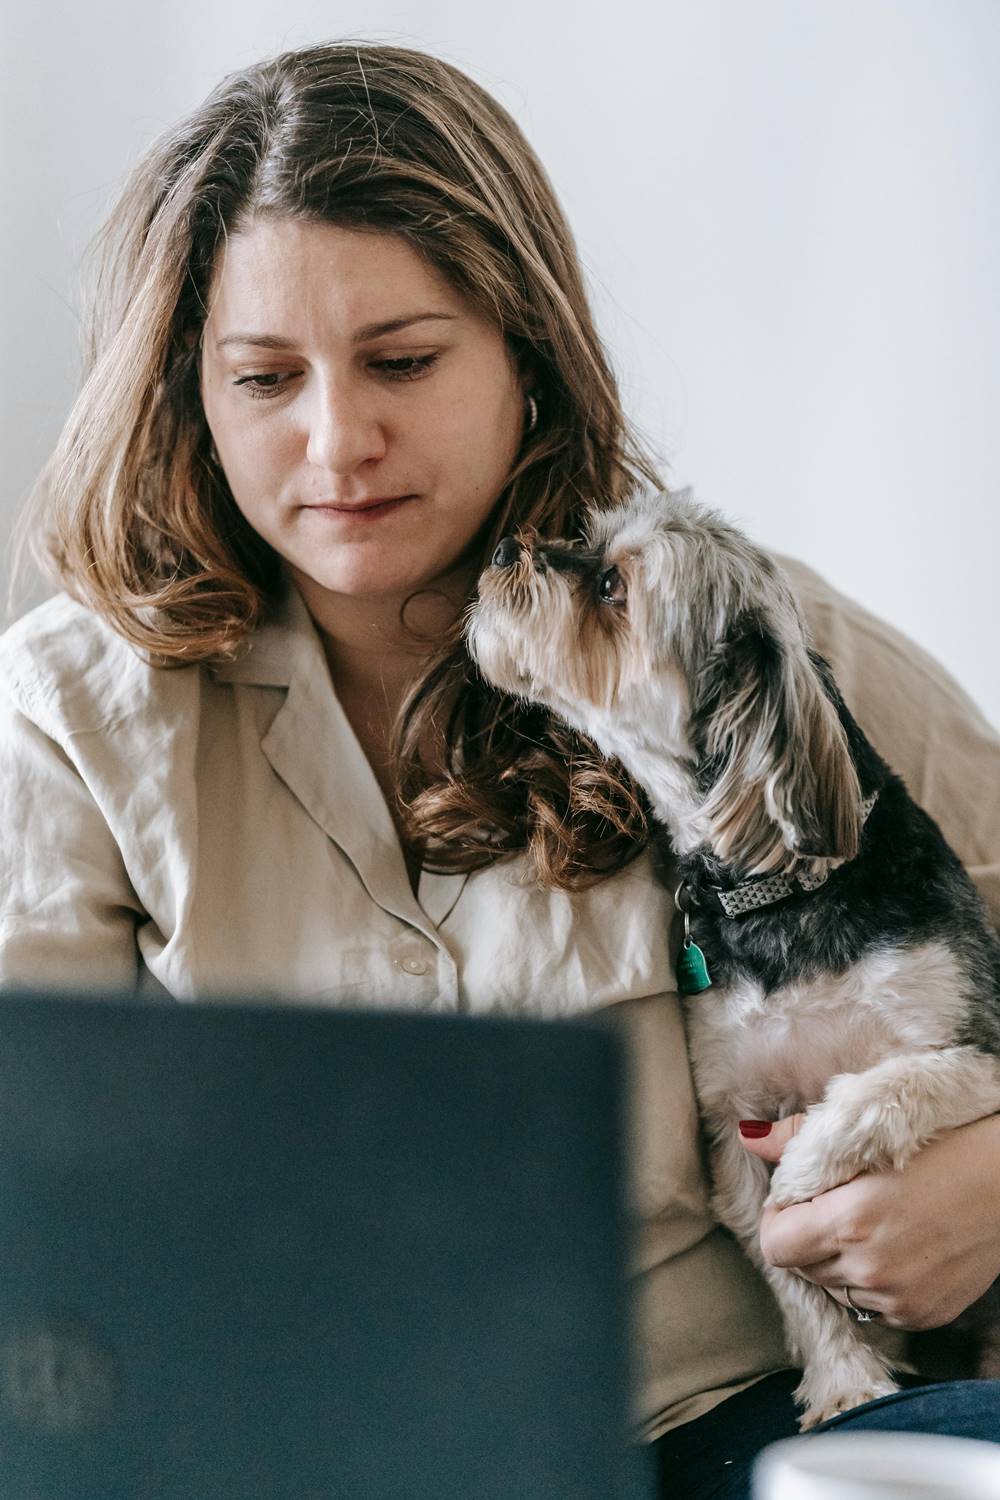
(692, 970)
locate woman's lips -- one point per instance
(365, 513)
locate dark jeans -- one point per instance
(712, 1457)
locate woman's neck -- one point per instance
(377, 646)
(373, 662)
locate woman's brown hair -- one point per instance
(137, 518)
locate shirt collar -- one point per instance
(285, 641)
(313, 749)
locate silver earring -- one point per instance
(533, 408)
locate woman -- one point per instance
(341, 347)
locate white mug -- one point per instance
(878, 1466)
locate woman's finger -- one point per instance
(803, 1234)
(833, 1275)
(766, 1138)
(796, 1237)
(860, 1300)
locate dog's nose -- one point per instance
(507, 553)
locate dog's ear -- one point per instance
(775, 762)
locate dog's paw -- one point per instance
(809, 1165)
(825, 1396)
(845, 1401)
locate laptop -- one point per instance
(272, 1252)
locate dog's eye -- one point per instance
(611, 587)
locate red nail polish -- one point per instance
(754, 1129)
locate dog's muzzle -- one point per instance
(561, 557)
(507, 552)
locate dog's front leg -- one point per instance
(867, 1121)
(840, 1370)
(740, 1184)
(878, 1119)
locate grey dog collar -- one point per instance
(770, 888)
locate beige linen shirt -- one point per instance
(218, 832)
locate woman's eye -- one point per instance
(611, 587)
(262, 385)
(409, 367)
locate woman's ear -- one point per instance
(525, 365)
(780, 778)
(530, 385)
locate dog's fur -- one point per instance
(873, 1001)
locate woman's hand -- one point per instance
(918, 1245)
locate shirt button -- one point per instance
(415, 965)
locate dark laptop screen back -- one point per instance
(267, 1252)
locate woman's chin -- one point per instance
(370, 582)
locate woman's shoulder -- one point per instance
(65, 667)
(916, 715)
(882, 673)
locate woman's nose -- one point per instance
(344, 430)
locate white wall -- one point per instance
(788, 211)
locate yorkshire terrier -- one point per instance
(838, 959)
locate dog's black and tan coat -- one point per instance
(854, 972)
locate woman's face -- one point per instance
(317, 406)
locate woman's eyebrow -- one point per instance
(369, 331)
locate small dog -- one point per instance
(842, 961)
